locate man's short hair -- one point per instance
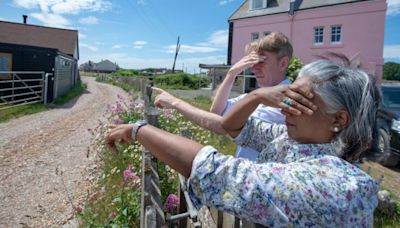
(275, 42)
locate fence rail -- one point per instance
(22, 88)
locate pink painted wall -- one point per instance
(363, 25)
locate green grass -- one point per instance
(385, 221)
(77, 90)
(19, 111)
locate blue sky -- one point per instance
(143, 33)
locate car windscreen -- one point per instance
(391, 97)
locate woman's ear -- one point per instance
(341, 121)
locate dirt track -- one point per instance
(46, 160)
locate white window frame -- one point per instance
(253, 34)
(319, 35)
(340, 34)
(264, 4)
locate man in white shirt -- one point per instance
(268, 59)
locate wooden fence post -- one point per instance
(152, 214)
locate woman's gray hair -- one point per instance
(352, 90)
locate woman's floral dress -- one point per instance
(291, 185)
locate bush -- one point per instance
(129, 73)
(391, 71)
(181, 81)
(295, 65)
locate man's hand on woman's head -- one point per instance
(120, 133)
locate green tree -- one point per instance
(295, 65)
(391, 71)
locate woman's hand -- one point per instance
(121, 133)
(293, 99)
(164, 99)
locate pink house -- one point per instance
(351, 27)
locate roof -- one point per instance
(65, 40)
(214, 66)
(106, 65)
(283, 7)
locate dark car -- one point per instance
(388, 143)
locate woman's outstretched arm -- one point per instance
(176, 151)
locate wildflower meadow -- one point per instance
(115, 199)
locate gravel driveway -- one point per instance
(46, 160)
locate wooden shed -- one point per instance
(30, 51)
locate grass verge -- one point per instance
(77, 90)
(18, 111)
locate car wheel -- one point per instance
(384, 155)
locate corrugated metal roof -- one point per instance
(65, 40)
(283, 7)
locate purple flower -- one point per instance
(171, 203)
(113, 214)
(129, 174)
(117, 121)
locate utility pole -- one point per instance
(178, 46)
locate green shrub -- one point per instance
(294, 66)
(391, 71)
(181, 81)
(125, 72)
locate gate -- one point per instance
(22, 87)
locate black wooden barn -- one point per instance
(27, 49)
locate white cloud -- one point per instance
(139, 44)
(217, 41)
(88, 46)
(391, 51)
(91, 20)
(224, 2)
(65, 6)
(99, 43)
(393, 7)
(52, 11)
(191, 49)
(81, 35)
(117, 46)
(219, 38)
(52, 20)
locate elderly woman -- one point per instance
(303, 176)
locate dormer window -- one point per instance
(258, 4)
(262, 4)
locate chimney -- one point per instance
(25, 18)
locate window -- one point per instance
(254, 36)
(336, 34)
(267, 33)
(258, 4)
(318, 35)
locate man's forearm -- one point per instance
(236, 118)
(208, 120)
(222, 94)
